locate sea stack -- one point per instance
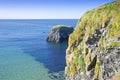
(93, 51)
(59, 34)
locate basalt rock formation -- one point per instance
(93, 51)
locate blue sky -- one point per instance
(47, 9)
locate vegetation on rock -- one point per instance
(59, 34)
(97, 34)
(60, 26)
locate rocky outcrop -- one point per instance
(93, 51)
(59, 34)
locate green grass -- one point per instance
(115, 44)
(106, 16)
(97, 68)
(61, 26)
(81, 63)
(97, 65)
(76, 49)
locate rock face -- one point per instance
(93, 51)
(59, 34)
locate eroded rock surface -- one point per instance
(59, 34)
(93, 52)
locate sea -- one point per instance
(24, 52)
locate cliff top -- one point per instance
(61, 26)
(94, 45)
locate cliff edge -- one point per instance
(93, 51)
(59, 34)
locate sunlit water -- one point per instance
(25, 54)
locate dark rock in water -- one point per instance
(59, 34)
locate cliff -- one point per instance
(59, 34)
(93, 52)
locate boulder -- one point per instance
(59, 34)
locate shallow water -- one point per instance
(24, 53)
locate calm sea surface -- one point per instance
(25, 54)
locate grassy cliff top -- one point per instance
(60, 26)
(104, 16)
(97, 30)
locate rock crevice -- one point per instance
(93, 51)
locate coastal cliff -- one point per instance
(59, 34)
(93, 51)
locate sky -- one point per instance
(47, 9)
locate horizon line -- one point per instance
(35, 18)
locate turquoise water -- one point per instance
(24, 53)
(16, 65)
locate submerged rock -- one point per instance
(59, 34)
(93, 51)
